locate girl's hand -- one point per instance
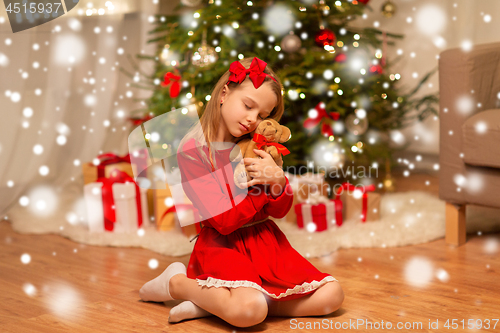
(263, 171)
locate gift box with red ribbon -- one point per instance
(359, 202)
(188, 214)
(168, 215)
(162, 201)
(323, 215)
(115, 204)
(107, 163)
(181, 216)
(304, 187)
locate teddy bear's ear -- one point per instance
(285, 134)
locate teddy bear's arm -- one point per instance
(279, 161)
(273, 151)
(238, 151)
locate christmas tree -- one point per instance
(342, 101)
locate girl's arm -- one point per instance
(265, 171)
(279, 184)
(212, 199)
(278, 207)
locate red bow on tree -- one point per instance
(325, 128)
(175, 87)
(262, 141)
(341, 58)
(377, 69)
(256, 72)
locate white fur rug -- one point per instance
(406, 219)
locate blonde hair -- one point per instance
(206, 131)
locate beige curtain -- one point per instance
(63, 99)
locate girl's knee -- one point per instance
(338, 294)
(332, 297)
(249, 311)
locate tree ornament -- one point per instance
(325, 37)
(174, 79)
(317, 115)
(191, 3)
(389, 8)
(324, 8)
(291, 43)
(341, 58)
(205, 55)
(376, 69)
(364, 2)
(355, 125)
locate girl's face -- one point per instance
(244, 108)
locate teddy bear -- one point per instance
(269, 131)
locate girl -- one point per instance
(242, 267)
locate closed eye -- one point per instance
(250, 108)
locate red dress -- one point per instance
(229, 255)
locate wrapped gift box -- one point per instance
(303, 187)
(90, 171)
(353, 206)
(169, 216)
(355, 203)
(162, 199)
(186, 218)
(108, 163)
(323, 215)
(182, 216)
(121, 212)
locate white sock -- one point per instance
(156, 290)
(186, 310)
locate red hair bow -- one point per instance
(256, 72)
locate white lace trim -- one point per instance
(298, 289)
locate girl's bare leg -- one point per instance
(241, 307)
(325, 300)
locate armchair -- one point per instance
(469, 84)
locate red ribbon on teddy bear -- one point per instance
(262, 141)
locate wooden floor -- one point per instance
(71, 287)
